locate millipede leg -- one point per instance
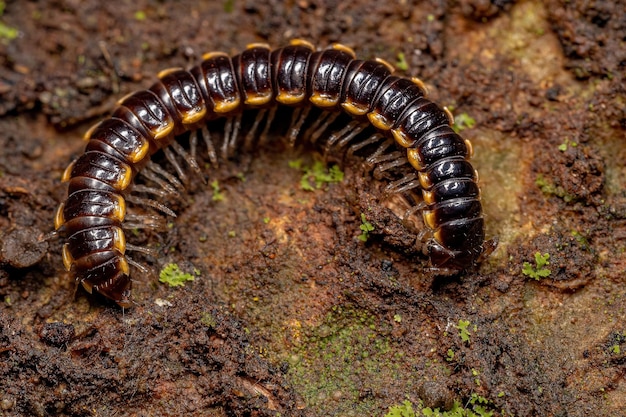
(299, 116)
(193, 163)
(143, 221)
(316, 124)
(228, 127)
(231, 133)
(344, 136)
(193, 145)
(232, 145)
(380, 156)
(142, 249)
(187, 157)
(169, 155)
(396, 159)
(380, 151)
(248, 140)
(268, 122)
(415, 209)
(157, 169)
(404, 184)
(208, 141)
(424, 235)
(412, 211)
(137, 265)
(344, 141)
(323, 124)
(151, 203)
(149, 174)
(376, 137)
(141, 188)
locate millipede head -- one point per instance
(445, 261)
(117, 284)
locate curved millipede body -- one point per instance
(220, 87)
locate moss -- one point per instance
(174, 277)
(403, 410)
(544, 185)
(316, 176)
(7, 33)
(217, 194)
(581, 240)
(208, 320)
(476, 375)
(476, 406)
(463, 121)
(401, 63)
(538, 271)
(366, 227)
(563, 146)
(229, 6)
(331, 361)
(463, 331)
(548, 188)
(140, 15)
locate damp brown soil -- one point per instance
(290, 312)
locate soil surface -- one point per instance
(290, 313)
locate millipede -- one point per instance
(387, 115)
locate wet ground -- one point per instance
(290, 312)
